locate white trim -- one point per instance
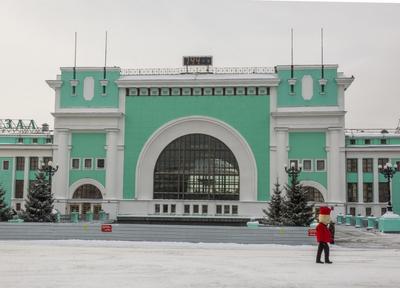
(79, 161)
(196, 124)
(84, 181)
(318, 186)
(316, 166)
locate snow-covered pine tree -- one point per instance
(296, 210)
(273, 215)
(39, 205)
(5, 210)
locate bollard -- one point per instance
(339, 219)
(102, 216)
(349, 220)
(359, 221)
(58, 217)
(89, 216)
(371, 222)
(74, 217)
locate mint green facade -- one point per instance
(109, 100)
(6, 178)
(87, 145)
(288, 99)
(249, 115)
(309, 146)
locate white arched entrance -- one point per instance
(196, 124)
(316, 185)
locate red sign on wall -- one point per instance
(312, 232)
(106, 228)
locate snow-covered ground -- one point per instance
(78, 263)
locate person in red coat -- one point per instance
(323, 234)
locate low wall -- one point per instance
(165, 233)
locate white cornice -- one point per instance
(301, 67)
(197, 83)
(54, 83)
(26, 147)
(374, 148)
(85, 69)
(85, 114)
(308, 113)
(346, 81)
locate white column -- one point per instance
(360, 180)
(335, 171)
(375, 189)
(26, 177)
(281, 154)
(112, 162)
(60, 185)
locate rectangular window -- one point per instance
(307, 165)
(19, 189)
(383, 161)
(173, 208)
(18, 206)
(367, 141)
(219, 209)
(320, 165)
(48, 140)
(6, 165)
(165, 208)
(20, 140)
(186, 209)
(204, 209)
(75, 163)
(227, 209)
(352, 165)
(34, 140)
(367, 165)
(33, 163)
(195, 209)
(46, 160)
(368, 211)
(20, 163)
(383, 141)
(87, 163)
(383, 192)
(352, 141)
(234, 209)
(353, 211)
(398, 165)
(100, 163)
(157, 208)
(368, 195)
(352, 192)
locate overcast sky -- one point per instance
(37, 37)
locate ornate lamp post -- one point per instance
(50, 170)
(293, 171)
(388, 171)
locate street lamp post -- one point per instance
(293, 171)
(388, 171)
(50, 170)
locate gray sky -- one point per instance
(37, 37)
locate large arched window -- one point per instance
(313, 194)
(196, 166)
(87, 191)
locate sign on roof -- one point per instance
(197, 60)
(19, 126)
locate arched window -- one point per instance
(87, 191)
(197, 167)
(313, 194)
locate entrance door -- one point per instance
(86, 207)
(96, 210)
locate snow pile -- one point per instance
(78, 263)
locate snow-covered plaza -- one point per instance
(78, 263)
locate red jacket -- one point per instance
(323, 234)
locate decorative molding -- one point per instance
(84, 181)
(54, 83)
(74, 82)
(322, 82)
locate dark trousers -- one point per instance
(323, 246)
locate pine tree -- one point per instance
(274, 213)
(5, 210)
(39, 205)
(296, 210)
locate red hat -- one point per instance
(324, 210)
